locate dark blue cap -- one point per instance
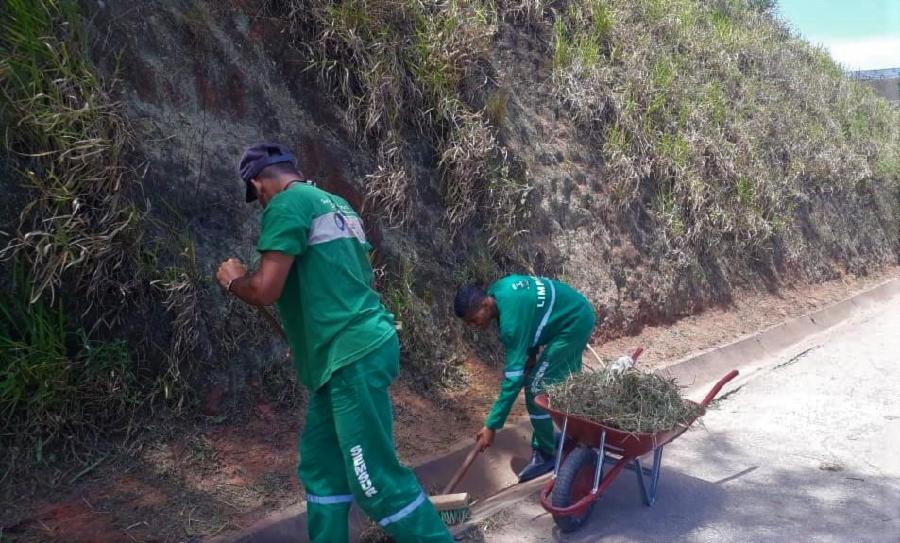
(257, 157)
(468, 299)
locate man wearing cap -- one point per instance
(315, 266)
(544, 326)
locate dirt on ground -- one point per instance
(749, 312)
(219, 475)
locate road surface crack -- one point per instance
(796, 358)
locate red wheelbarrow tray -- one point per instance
(629, 445)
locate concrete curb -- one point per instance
(492, 476)
(697, 371)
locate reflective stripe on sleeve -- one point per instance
(540, 328)
(335, 225)
(514, 374)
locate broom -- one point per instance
(454, 508)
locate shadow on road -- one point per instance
(741, 501)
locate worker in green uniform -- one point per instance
(544, 327)
(314, 264)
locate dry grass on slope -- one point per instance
(721, 133)
(406, 72)
(719, 119)
(79, 259)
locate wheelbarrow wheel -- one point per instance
(573, 482)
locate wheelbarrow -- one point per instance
(585, 450)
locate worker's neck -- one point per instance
(284, 179)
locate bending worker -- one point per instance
(315, 265)
(544, 327)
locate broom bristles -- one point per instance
(455, 516)
(453, 508)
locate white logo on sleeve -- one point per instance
(541, 292)
(362, 475)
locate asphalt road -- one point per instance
(807, 449)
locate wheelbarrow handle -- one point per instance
(715, 390)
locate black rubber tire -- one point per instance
(561, 496)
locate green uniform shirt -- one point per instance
(533, 310)
(331, 314)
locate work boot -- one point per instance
(540, 464)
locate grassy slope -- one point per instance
(713, 107)
(727, 139)
(719, 119)
(79, 256)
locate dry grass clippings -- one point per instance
(631, 400)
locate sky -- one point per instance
(859, 34)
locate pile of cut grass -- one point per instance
(631, 400)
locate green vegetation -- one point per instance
(75, 246)
(402, 71)
(68, 141)
(715, 107)
(719, 116)
(422, 339)
(58, 388)
(76, 261)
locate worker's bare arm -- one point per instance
(261, 287)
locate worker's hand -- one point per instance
(485, 438)
(230, 270)
(533, 358)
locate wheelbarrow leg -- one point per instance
(601, 460)
(649, 494)
(559, 450)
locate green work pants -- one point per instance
(561, 357)
(347, 454)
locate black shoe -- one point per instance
(540, 464)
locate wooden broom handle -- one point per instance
(461, 472)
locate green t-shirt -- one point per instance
(533, 310)
(331, 314)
